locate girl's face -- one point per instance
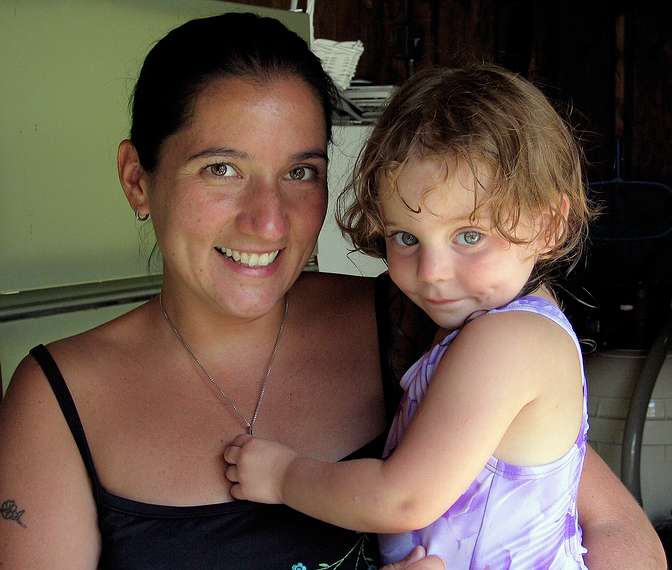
(239, 194)
(446, 264)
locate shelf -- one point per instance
(32, 303)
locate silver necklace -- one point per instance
(249, 424)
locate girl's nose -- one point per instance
(263, 212)
(433, 266)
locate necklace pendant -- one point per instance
(249, 425)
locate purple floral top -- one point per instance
(511, 516)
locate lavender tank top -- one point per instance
(518, 517)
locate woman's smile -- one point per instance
(250, 259)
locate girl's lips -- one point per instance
(441, 301)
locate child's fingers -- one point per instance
(232, 454)
(241, 439)
(236, 491)
(232, 474)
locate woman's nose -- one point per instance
(263, 211)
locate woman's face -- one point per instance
(239, 194)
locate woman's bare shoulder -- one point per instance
(41, 465)
(87, 357)
(119, 331)
(332, 292)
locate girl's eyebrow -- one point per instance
(391, 223)
(233, 153)
(459, 219)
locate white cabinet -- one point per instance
(333, 249)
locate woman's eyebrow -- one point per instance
(233, 153)
(220, 151)
(307, 155)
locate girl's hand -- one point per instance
(417, 560)
(257, 468)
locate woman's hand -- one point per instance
(256, 468)
(417, 560)
(616, 531)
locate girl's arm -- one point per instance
(48, 512)
(616, 531)
(490, 372)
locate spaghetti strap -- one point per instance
(69, 410)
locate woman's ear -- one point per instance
(134, 180)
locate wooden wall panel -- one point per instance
(650, 129)
(566, 47)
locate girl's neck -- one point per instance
(542, 291)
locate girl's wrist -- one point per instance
(288, 474)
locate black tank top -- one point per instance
(237, 534)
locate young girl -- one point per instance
(471, 188)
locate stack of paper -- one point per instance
(364, 102)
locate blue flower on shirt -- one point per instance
(299, 566)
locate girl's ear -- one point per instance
(134, 180)
(554, 225)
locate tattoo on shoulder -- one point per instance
(10, 512)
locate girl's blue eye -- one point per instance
(302, 173)
(405, 239)
(221, 169)
(470, 237)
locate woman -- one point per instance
(227, 155)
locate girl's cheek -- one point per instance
(401, 268)
(476, 269)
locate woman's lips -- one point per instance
(256, 270)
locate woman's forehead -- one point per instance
(279, 116)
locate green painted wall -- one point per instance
(68, 68)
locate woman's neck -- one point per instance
(209, 330)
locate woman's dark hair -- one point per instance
(181, 64)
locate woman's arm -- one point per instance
(616, 532)
(48, 513)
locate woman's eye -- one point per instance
(221, 169)
(470, 237)
(302, 173)
(405, 239)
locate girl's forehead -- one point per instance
(470, 174)
(445, 199)
(438, 180)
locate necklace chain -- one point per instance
(249, 424)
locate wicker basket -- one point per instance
(339, 59)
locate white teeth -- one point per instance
(250, 259)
